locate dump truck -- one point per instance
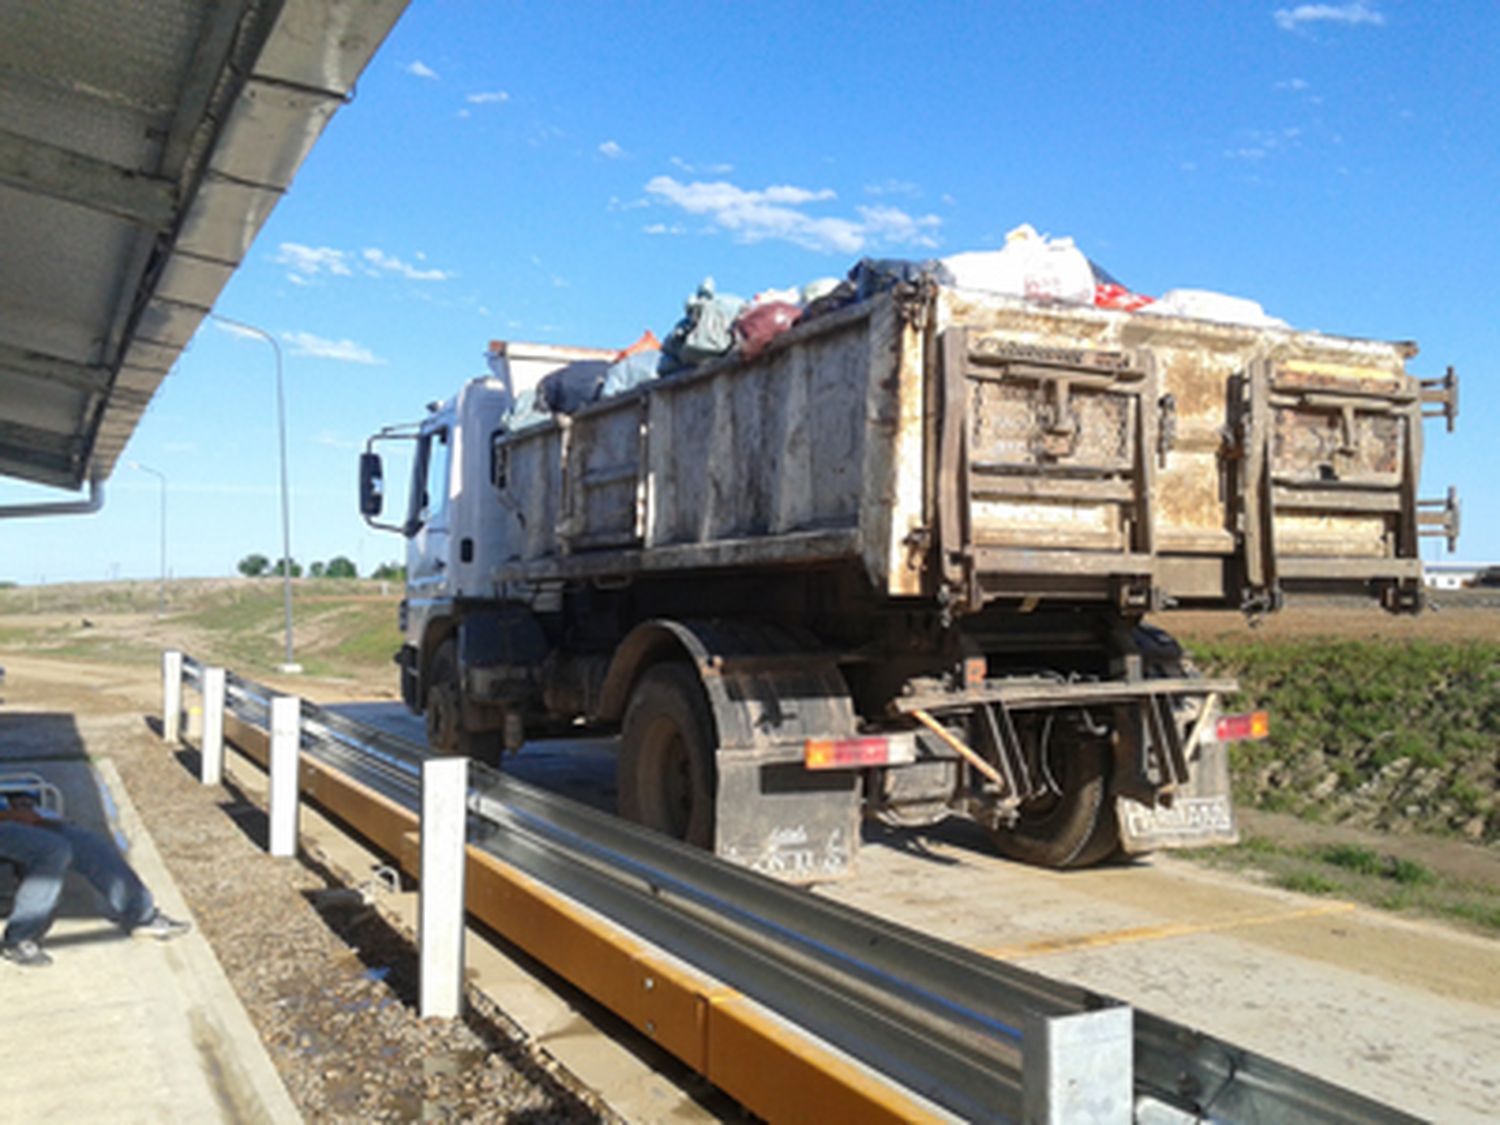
(898, 566)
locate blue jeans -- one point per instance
(46, 855)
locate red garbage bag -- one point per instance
(758, 325)
(1115, 296)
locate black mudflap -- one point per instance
(784, 821)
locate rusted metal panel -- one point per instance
(603, 476)
(934, 434)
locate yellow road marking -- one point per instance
(1154, 933)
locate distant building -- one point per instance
(1457, 575)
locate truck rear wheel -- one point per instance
(666, 772)
(1076, 828)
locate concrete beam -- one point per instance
(45, 169)
(86, 377)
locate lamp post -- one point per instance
(290, 664)
(162, 607)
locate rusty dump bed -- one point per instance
(975, 449)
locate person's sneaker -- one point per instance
(27, 953)
(161, 927)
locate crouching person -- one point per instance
(46, 849)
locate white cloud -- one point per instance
(1291, 19)
(306, 262)
(488, 97)
(1261, 143)
(1296, 85)
(418, 69)
(700, 169)
(378, 262)
(663, 228)
(894, 187)
(612, 150)
(316, 347)
(893, 225)
(778, 213)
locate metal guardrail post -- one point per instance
(445, 789)
(171, 696)
(211, 769)
(286, 739)
(1078, 1068)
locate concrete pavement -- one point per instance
(118, 1028)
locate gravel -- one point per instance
(329, 984)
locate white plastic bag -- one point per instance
(1205, 304)
(1028, 265)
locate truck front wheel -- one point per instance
(445, 710)
(1074, 828)
(666, 769)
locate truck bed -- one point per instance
(982, 449)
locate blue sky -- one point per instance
(568, 172)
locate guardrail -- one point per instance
(799, 1007)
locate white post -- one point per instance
(171, 696)
(1078, 1068)
(445, 788)
(286, 738)
(211, 767)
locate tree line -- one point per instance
(340, 566)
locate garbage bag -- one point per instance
(646, 343)
(875, 275)
(1113, 295)
(629, 372)
(705, 331)
(1205, 304)
(818, 289)
(829, 300)
(777, 297)
(526, 411)
(1028, 265)
(571, 388)
(758, 325)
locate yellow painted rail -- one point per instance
(772, 1068)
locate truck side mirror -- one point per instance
(371, 485)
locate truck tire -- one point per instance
(1076, 829)
(445, 710)
(666, 775)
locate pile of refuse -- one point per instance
(1029, 266)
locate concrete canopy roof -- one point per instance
(143, 143)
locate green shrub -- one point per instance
(1352, 858)
(1307, 882)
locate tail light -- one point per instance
(1254, 725)
(857, 753)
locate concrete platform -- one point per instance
(122, 1029)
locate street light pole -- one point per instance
(162, 608)
(290, 664)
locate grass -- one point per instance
(341, 628)
(1379, 731)
(1361, 874)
